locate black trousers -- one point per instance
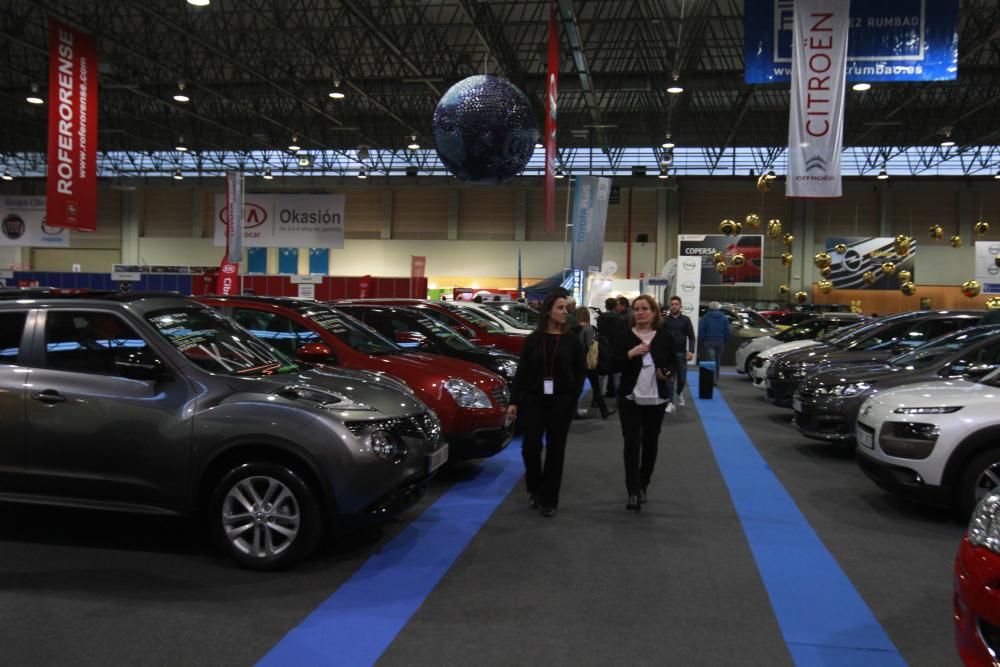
(595, 387)
(547, 417)
(641, 431)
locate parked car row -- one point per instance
(275, 419)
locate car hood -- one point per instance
(334, 388)
(828, 354)
(938, 393)
(871, 373)
(445, 367)
(787, 347)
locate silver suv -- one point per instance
(158, 404)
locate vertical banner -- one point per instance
(590, 215)
(234, 216)
(228, 282)
(319, 261)
(688, 281)
(365, 287)
(816, 119)
(72, 170)
(551, 91)
(520, 279)
(418, 265)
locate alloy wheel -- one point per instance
(261, 516)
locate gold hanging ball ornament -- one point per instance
(727, 227)
(841, 248)
(822, 260)
(971, 288)
(956, 241)
(773, 228)
(786, 259)
(888, 268)
(904, 276)
(868, 277)
(825, 271)
(764, 183)
(788, 239)
(982, 227)
(739, 229)
(739, 259)
(719, 256)
(996, 260)
(993, 303)
(801, 297)
(783, 289)
(908, 288)
(902, 244)
(825, 286)
(936, 233)
(752, 221)
(721, 267)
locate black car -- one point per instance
(877, 342)
(412, 328)
(827, 402)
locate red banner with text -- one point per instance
(418, 265)
(72, 168)
(228, 283)
(551, 90)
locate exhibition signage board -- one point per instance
(228, 282)
(888, 40)
(869, 254)
(234, 216)
(274, 221)
(987, 272)
(689, 272)
(551, 93)
(23, 223)
(703, 247)
(590, 215)
(816, 113)
(72, 162)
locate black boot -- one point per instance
(633, 504)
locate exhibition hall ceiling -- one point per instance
(259, 74)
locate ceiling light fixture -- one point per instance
(997, 175)
(539, 145)
(413, 145)
(668, 142)
(664, 174)
(362, 174)
(180, 96)
(675, 89)
(178, 176)
(560, 173)
(861, 87)
(337, 94)
(882, 175)
(7, 176)
(294, 146)
(771, 175)
(268, 176)
(947, 142)
(180, 145)
(33, 97)
(199, 3)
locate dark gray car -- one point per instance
(827, 402)
(159, 404)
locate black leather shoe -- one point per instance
(548, 512)
(610, 412)
(633, 504)
(642, 496)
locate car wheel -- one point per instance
(265, 516)
(980, 477)
(748, 366)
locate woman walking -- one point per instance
(646, 359)
(588, 336)
(545, 392)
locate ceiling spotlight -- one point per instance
(947, 142)
(337, 94)
(560, 173)
(305, 160)
(180, 96)
(861, 87)
(199, 3)
(33, 97)
(668, 142)
(7, 176)
(294, 145)
(180, 145)
(539, 145)
(362, 174)
(268, 176)
(771, 175)
(413, 145)
(997, 175)
(675, 89)
(882, 175)
(664, 174)
(178, 176)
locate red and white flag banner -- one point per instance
(228, 282)
(551, 90)
(72, 161)
(816, 120)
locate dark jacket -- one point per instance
(610, 325)
(681, 329)
(664, 358)
(713, 327)
(569, 368)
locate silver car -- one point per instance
(159, 404)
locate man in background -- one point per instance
(610, 325)
(679, 326)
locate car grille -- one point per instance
(806, 391)
(990, 634)
(422, 427)
(501, 395)
(825, 424)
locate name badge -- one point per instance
(647, 359)
(548, 386)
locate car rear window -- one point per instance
(11, 329)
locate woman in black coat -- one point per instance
(544, 394)
(645, 357)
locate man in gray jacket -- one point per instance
(678, 325)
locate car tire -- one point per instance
(264, 515)
(982, 470)
(748, 366)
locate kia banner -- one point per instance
(286, 221)
(234, 216)
(23, 223)
(72, 164)
(418, 265)
(365, 287)
(816, 117)
(228, 283)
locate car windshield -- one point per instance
(525, 315)
(481, 320)
(421, 323)
(356, 335)
(850, 335)
(993, 379)
(504, 316)
(217, 344)
(937, 351)
(801, 331)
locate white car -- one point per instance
(936, 442)
(498, 319)
(758, 369)
(810, 329)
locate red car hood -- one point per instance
(446, 367)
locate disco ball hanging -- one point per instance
(484, 130)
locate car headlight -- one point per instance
(849, 389)
(984, 527)
(386, 446)
(324, 398)
(508, 368)
(466, 394)
(945, 410)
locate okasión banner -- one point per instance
(72, 165)
(290, 221)
(816, 118)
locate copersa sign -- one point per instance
(22, 223)
(290, 221)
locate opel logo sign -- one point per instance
(689, 265)
(687, 309)
(687, 286)
(852, 260)
(994, 249)
(992, 269)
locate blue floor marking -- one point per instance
(356, 624)
(822, 617)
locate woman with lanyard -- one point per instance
(544, 394)
(646, 361)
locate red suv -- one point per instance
(470, 401)
(473, 326)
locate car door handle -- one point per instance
(49, 396)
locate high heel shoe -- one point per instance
(633, 504)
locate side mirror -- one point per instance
(316, 353)
(140, 364)
(409, 339)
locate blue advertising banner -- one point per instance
(888, 40)
(590, 214)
